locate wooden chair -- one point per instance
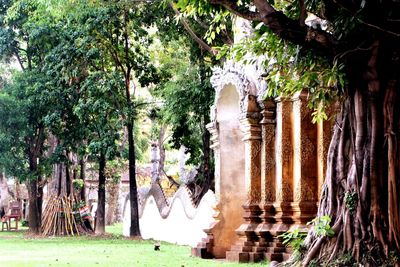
(4, 222)
(15, 215)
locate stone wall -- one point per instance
(174, 220)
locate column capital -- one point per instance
(268, 112)
(251, 128)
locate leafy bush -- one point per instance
(24, 223)
(78, 184)
(322, 226)
(351, 200)
(294, 238)
(76, 206)
(343, 260)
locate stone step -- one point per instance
(245, 243)
(240, 248)
(201, 253)
(256, 257)
(276, 249)
(273, 256)
(259, 249)
(237, 256)
(276, 244)
(279, 244)
(202, 245)
(241, 257)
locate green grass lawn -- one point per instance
(16, 249)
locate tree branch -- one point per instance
(198, 40)
(20, 61)
(303, 13)
(224, 35)
(234, 8)
(204, 25)
(114, 55)
(286, 28)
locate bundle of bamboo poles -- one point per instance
(58, 217)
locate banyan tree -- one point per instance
(360, 41)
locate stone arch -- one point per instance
(235, 101)
(235, 75)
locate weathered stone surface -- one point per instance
(177, 220)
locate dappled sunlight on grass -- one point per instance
(20, 250)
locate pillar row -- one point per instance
(297, 166)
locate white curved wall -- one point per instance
(183, 226)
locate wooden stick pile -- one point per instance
(58, 217)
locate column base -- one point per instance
(246, 250)
(251, 246)
(204, 248)
(304, 212)
(278, 218)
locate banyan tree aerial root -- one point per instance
(361, 193)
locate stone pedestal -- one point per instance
(248, 247)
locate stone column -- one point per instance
(305, 162)
(248, 248)
(252, 140)
(284, 164)
(274, 250)
(268, 193)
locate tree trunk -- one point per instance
(40, 196)
(206, 183)
(133, 197)
(208, 174)
(82, 176)
(101, 197)
(362, 186)
(58, 174)
(34, 213)
(68, 182)
(34, 216)
(113, 194)
(161, 149)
